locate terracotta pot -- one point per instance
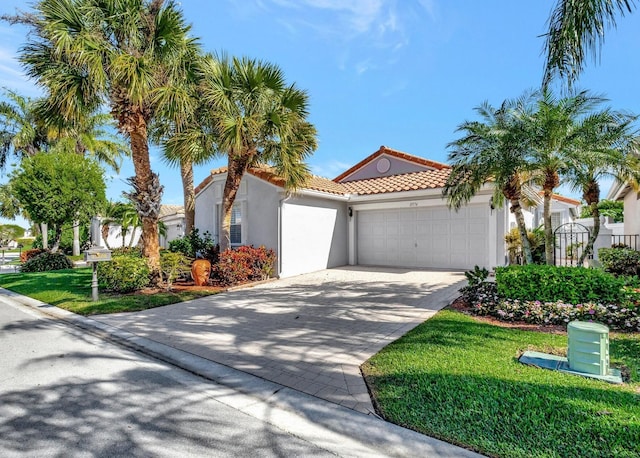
(200, 270)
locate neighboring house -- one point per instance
(387, 210)
(171, 215)
(173, 218)
(563, 210)
(629, 197)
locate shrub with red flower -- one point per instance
(244, 264)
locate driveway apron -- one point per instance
(311, 332)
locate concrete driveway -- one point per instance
(310, 332)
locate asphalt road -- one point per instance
(66, 393)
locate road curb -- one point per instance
(336, 428)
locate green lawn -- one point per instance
(71, 290)
(459, 380)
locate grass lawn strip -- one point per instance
(458, 379)
(71, 290)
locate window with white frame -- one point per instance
(556, 219)
(236, 224)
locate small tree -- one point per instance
(59, 188)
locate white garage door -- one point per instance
(424, 237)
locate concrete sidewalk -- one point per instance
(311, 332)
(340, 430)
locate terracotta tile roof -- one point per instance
(561, 198)
(321, 184)
(268, 174)
(428, 179)
(170, 210)
(395, 153)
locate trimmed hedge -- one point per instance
(46, 261)
(574, 285)
(123, 274)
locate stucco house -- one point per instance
(387, 210)
(171, 215)
(629, 197)
(563, 210)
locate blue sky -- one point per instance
(400, 73)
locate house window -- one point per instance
(556, 219)
(236, 225)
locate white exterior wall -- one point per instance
(174, 228)
(314, 235)
(631, 214)
(115, 236)
(528, 214)
(205, 209)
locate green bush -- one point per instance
(195, 246)
(123, 274)
(174, 266)
(620, 261)
(32, 253)
(127, 251)
(573, 285)
(46, 261)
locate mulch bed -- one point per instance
(461, 306)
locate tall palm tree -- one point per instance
(22, 131)
(184, 129)
(607, 148)
(492, 150)
(576, 27)
(556, 128)
(258, 119)
(83, 52)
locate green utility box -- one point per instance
(588, 350)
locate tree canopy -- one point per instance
(59, 188)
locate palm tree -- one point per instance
(606, 149)
(258, 119)
(22, 130)
(83, 52)
(576, 27)
(493, 151)
(32, 125)
(184, 130)
(557, 128)
(87, 134)
(23, 134)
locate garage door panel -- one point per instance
(424, 237)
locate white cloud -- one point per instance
(329, 169)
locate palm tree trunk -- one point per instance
(551, 180)
(516, 209)
(591, 196)
(235, 171)
(548, 230)
(76, 238)
(44, 231)
(144, 180)
(186, 172)
(104, 230)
